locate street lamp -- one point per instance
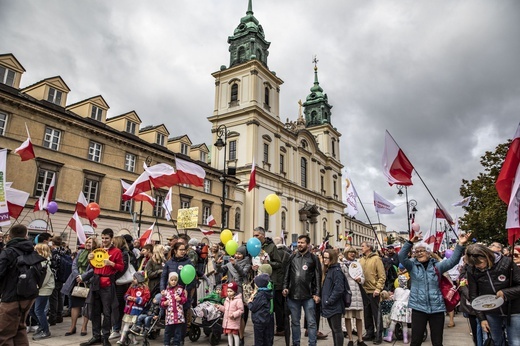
(222, 132)
(410, 205)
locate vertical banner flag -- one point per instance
(508, 187)
(252, 177)
(396, 166)
(350, 197)
(382, 205)
(77, 226)
(26, 150)
(210, 221)
(167, 205)
(4, 209)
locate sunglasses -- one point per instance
(476, 255)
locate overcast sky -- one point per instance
(442, 76)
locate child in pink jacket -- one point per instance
(174, 296)
(233, 309)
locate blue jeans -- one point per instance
(496, 324)
(295, 306)
(144, 319)
(39, 310)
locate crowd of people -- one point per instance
(366, 294)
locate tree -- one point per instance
(486, 214)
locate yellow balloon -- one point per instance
(226, 236)
(272, 204)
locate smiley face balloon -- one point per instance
(100, 255)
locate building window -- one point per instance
(266, 153)
(232, 150)
(7, 76)
(3, 123)
(284, 220)
(266, 96)
(91, 190)
(207, 186)
(185, 202)
(322, 183)
(303, 168)
(335, 187)
(159, 139)
(226, 191)
(333, 147)
(282, 163)
(266, 220)
(203, 156)
(226, 218)
(131, 127)
(234, 92)
(97, 113)
(237, 218)
(126, 206)
(94, 151)
(337, 231)
(130, 162)
(158, 210)
(52, 138)
(184, 148)
(54, 96)
(44, 180)
(206, 212)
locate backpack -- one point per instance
(30, 274)
(64, 269)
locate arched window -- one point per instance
(237, 219)
(234, 92)
(266, 96)
(303, 168)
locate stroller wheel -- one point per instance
(214, 339)
(207, 331)
(154, 334)
(194, 333)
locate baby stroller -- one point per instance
(156, 315)
(206, 317)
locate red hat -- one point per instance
(233, 286)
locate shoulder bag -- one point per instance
(127, 276)
(80, 291)
(449, 291)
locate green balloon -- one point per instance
(231, 247)
(187, 274)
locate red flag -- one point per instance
(189, 173)
(252, 177)
(440, 215)
(16, 200)
(438, 241)
(210, 221)
(77, 226)
(140, 197)
(146, 238)
(162, 175)
(396, 166)
(206, 232)
(26, 150)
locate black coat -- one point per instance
(332, 292)
(303, 276)
(8, 279)
(260, 307)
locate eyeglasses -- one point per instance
(326, 258)
(418, 252)
(476, 255)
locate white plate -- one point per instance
(487, 302)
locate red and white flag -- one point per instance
(39, 203)
(210, 221)
(16, 200)
(81, 209)
(167, 205)
(382, 205)
(189, 173)
(206, 232)
(146, 238)
(508, 187)
(162, 175)
(396, 166)
(140, 197)
(324, 245)
(463, 202)
(26, 150)
(252, 177)
(43, 202)
(77, 226)
(141, 184)
(440, 215)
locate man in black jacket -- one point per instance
(13, 309)
(302, 282)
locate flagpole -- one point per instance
(139, 223)
(371, 226)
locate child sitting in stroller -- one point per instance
(151, 312)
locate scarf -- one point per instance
(83, 261)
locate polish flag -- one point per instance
(382, 205)
(140, 197)
(252, 177)
(77, 226)
(206, 232)
(141, 184)
(81, 209)
(429, 238)
(396, 166)
(167, 205)
(39, 203)
(162, 175)
(440, 215)
(26, 150)
(146, 238)
(16, 200)
(508, 187)
(324, 245)
(189, 173)
(210, 221)
(50, 192)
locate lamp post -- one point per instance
(410, 206)
(222, 132)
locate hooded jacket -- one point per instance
(233, 308)
(332, 292)
(8, 271)
(260, 307)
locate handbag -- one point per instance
(80, 291)
(449, 292)
(128, 276)
(489, 341)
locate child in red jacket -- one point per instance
(136, 298)
(174, 296)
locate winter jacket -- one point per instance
(275, 260)
(174, 310)
(175, 265)
(493, 280)
(374, 272)
(260, 307)
(48, 284)
(238, 272)
(8, 272)
(277, 277)
(233, 310)
(153, 272)
(425, 294)
(355, 287)
(465, 304)
(332, 292)
(142, 295)
(303, 276)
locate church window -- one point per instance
(266, 153)
(314, 116)
(232, 150)
(303, 168)
(266, 96)
(241, 55)
(237, 219)
(333, 147)
(234, 92)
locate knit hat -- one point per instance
(265, 269)
(242, 249)
(157, 298)
(173, 274)
(262, 280)
(193, 242)
(139, 276)
(233, 286)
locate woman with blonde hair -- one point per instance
(80, 266)
(154, 266)
(117, 316)
(38, 308)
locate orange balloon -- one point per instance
(93, 210)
